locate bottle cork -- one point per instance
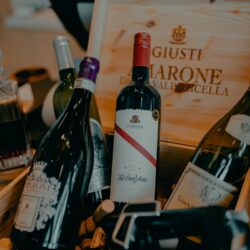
(105, 208)
(5, 244)
(86, 244)
(99, 239)
(89, 225)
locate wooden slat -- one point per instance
(9, 199)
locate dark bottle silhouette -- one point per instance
(100, 182)
(51, 205)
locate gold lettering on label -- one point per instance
(172, 72)
(193, 88)
(187, 79)
(160, 72)
(191, 54)
(186, 74)
(215, 75)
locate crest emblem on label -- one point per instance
(38, 201)
(178, 35)
(135, 119)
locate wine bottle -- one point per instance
(136, 132)
(51, 205)
(67, 74)
(216, 171)
(100, 182)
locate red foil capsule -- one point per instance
(142, 43)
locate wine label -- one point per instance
(38, 200)
(83, 83)
(239, 127)
(100, 175)
(134, 155)
(15, 161)
(198, 188)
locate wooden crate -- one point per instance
(200, 58)
(197, 86)
(200, 64)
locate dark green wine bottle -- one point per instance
(216, 171)
(54, 195)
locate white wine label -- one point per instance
(83, 83)
(198, 188)
(38, 200)
(134, 155)
(239, 127)
(101, 170)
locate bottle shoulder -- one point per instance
(135, 96)
(140, 89)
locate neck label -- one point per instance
(83, 83)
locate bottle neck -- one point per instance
(80, 103)
(67, 75)
(140, 75)
(63, 56)
(82, 93)
(141, 59)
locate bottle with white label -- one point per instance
(217, 169)
(53, 198)
(136, 132)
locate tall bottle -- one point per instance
(14, 139)
(67, 74)
(49, 213)
(100, 182)
(136, 135)
(216, 171)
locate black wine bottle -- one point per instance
(136, 135)
(216, 171)
(67, 74)
(100, 182)
(51, 205)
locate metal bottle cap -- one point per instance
(89, 68)
(63, 54)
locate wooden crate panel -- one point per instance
(200, 76)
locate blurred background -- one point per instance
(27, 28)
(27, 31)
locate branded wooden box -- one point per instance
(200, 64)
(200, 58)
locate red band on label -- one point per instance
(135, 144)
